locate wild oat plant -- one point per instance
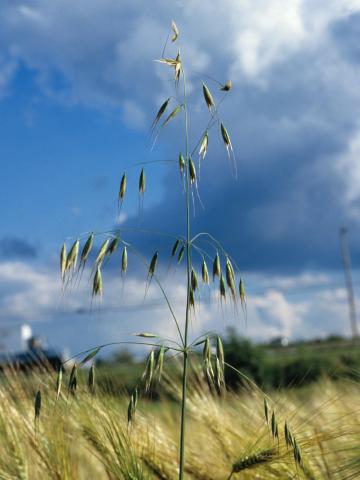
(187, 247)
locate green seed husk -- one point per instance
(226, 138)
(122, 189)
(227, 86)
(91, 379)
(222, 287)
(160, 113)
(160, 362)
(86, 249)
(242, 293)
(205, 272)
(230, 278)
(37, 405)
(274, 426)
(90, 355)
(124, 261)
(148, 374)
(172, 115)
(72, 257)
(175, 247)
(153, 264)
(192, 171)
(102, 252)
(63, 262)
(175, 30)
(191, 298)
(112, 246)
(73, 380)
(266, 410)
(208, 97)
(181, 163)
(59, 382)
(216, 266)
(142, 182)
(97, 283)
(194, 280)
(132, 405)
(181, 253)
(220, 352)
(204, 145)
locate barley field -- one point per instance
(84, 435)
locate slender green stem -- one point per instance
(187, 312)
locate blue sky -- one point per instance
(78, 91)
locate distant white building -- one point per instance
(14, 338)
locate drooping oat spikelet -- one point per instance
(72, 257)
(91, 379)
(253, 460)
(216, 266)
(171, 115)
(175, 247)
(222, 287)
(85, 252)
(204, 145)
(90, 355)
(181, 253)
(192, 172)
(148, 374)
(204, 272)
(73, 380)
(124, 261)
(288, 436)
(112, 246)
(174, 63)
(194, 280)
(102, 252)
(208, 97)
(59, 382)
(160, 362)
(175, 30)
(132, 405)
(242, 294)
(191, 298)
(266, 410)
(152, 268)
(142, 182)
(97, 283)
(227, 86)
(274, 426)
(181, 163)
(230, 278)
(122, 189)
(37, 405)
(206, 362)
(220, 352)
(63, 263)
(226, 138)
(160, 113)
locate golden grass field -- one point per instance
(87, 436)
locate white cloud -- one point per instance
(32, 294)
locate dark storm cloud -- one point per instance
(285, 209)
